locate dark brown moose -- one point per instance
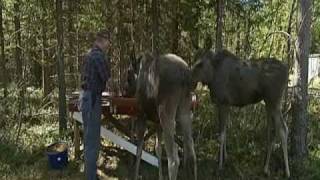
(163, 93)
(233, 82)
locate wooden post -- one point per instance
(76, 138)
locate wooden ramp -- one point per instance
(107, 134)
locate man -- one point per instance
(95, 74)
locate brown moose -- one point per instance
(233, 82)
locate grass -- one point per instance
(26, 158)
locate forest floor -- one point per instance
(29, 161)
(25, 157)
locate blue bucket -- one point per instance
(57, 155)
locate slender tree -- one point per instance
(45, 53)
(17, 28)
(155, 26)
(71, 42)
(300, 101)
(19, 69)
(121, 38)
(60, 63)
(175, 26)
(247, 34)
(3, 55)
(219, 24)
(289, 30)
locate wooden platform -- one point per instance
(107, 134)
(112, 106)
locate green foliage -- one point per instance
(246, 32)
(246, 142)
(316, 28)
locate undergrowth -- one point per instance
(23, 156)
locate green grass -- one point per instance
(26, 158)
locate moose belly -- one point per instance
(246, 98)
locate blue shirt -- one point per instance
(96, 71)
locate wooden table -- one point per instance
(111, 106)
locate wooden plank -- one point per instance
(107, 134)
(76, 139)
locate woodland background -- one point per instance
(42, 45)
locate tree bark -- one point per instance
(247, 35)
(121, 38)
(238, 38)
(17, 28)
(219, 24)
(300, 101)
(132, 29)
(77, 11)
(289, 29)
(60, 63)
(45, 54)
(175, 26)
(155, 27)
(3, 61)
(71, 43)
(19, 69)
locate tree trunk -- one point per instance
(36, 65)
(132, 29)
(289, 29)
(121, 40)
(300, 101)
(247, 36)
(45, 54)
(71, 43)
(77, 11)
(238, 38)
(3, 56)
(175, 26)
(17, 28)
(155, 26)
(60, 63)
(19, 72)
(219, 24)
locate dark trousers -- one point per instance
(91, 115)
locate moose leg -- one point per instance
(223, 112)
(141, 128)
(159, 152)
(190, 161)
(282, 129)
(167, 120)
(270, 139)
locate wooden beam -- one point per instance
(76, 139)
(107, 134)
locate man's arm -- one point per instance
(102, 68)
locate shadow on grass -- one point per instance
(118, 163)
(19, 163)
